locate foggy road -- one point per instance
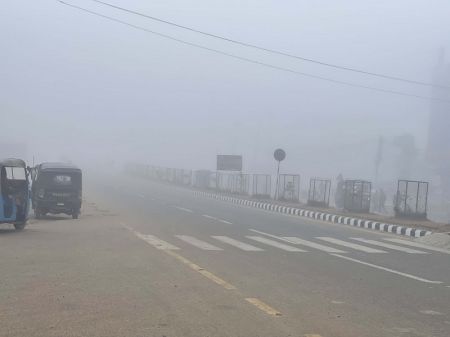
(123, 120)
(148, 259)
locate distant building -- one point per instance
(438, 150)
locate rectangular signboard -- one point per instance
(229, 163)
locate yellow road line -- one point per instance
(201, 270)
(189, 263)
(256, 302)
(263, 306)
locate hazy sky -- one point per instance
(78, 85)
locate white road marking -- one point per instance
(191, 265)
(350, 245)
(238, 244)
(390, 246)
(275, 244)
(197, 243)
(217, 219)
(418, 245)
(184, 209)
(314, 245)
(431, 312)
(155, 242)
(387, 269)
(296, 240)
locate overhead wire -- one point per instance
(269, 50)
(248, 60)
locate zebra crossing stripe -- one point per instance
(390, 246)
(276, 244)
(297, 240)
(418, 245)
(350, 245)
(238, 244)
(157, 243)
(197, 243)
(318, 246)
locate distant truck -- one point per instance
(56, 188)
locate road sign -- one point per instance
(279, 154)
(229, 163)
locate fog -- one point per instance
(79, 87)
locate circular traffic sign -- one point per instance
(279, 154)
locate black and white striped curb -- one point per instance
(369, 224)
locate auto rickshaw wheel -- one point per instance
(20, 226)
(75, 215)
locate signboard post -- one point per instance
(279, 156)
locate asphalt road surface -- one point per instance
(148, 259)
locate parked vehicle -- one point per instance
(14, 193)
(57, 189)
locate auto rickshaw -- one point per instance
(56, 189)
(14, 193)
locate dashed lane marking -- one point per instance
(275, 244)
(350, 245)
(184, 209)
(217, 219)
(197, 243)
(390, 246)
(387, 269)
(263, 306)
(418, 245)
(238, 244)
